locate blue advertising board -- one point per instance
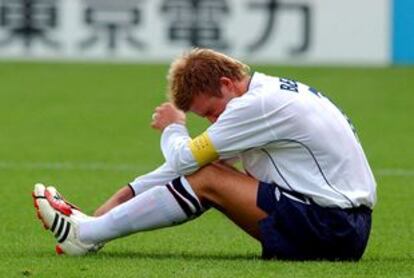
(403, 32)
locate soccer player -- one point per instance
(306, 192)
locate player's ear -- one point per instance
(226, 82)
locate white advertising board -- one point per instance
(269, 31)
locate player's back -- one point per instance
(314, 150)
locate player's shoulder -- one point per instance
(260, 88)
(264, 93)
(260, 82)
(266, 86)
(275, 89)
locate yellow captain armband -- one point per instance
(203, 149)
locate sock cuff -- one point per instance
(185, 197)
(189, 189)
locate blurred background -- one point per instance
(355, 32)
(79, 80)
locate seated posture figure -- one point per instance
(306, 192)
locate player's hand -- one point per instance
(167, 114)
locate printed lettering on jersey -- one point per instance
(292, 86)
(289, 85)
(203, 149)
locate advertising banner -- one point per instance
(269, 31)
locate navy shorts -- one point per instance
(295, 230)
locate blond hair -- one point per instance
(198, 72)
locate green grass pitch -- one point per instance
(85, 128)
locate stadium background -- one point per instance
(79, 80)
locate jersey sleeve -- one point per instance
(160, 176)
(175, 146)
(241, 126)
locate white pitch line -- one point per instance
(396, 172)
(86, 166)
(100, 166)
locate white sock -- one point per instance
(158, 207)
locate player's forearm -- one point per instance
(121, 196)
(175, 148)
(160, 176)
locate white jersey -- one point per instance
(285, 133)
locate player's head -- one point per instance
(202, 73)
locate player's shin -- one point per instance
(161, 206)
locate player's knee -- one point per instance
(205, 180)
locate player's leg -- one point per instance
(232, 192)
(127, 192)
(121, 196)
(183, 199)
(228, 190)
(162, 206)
